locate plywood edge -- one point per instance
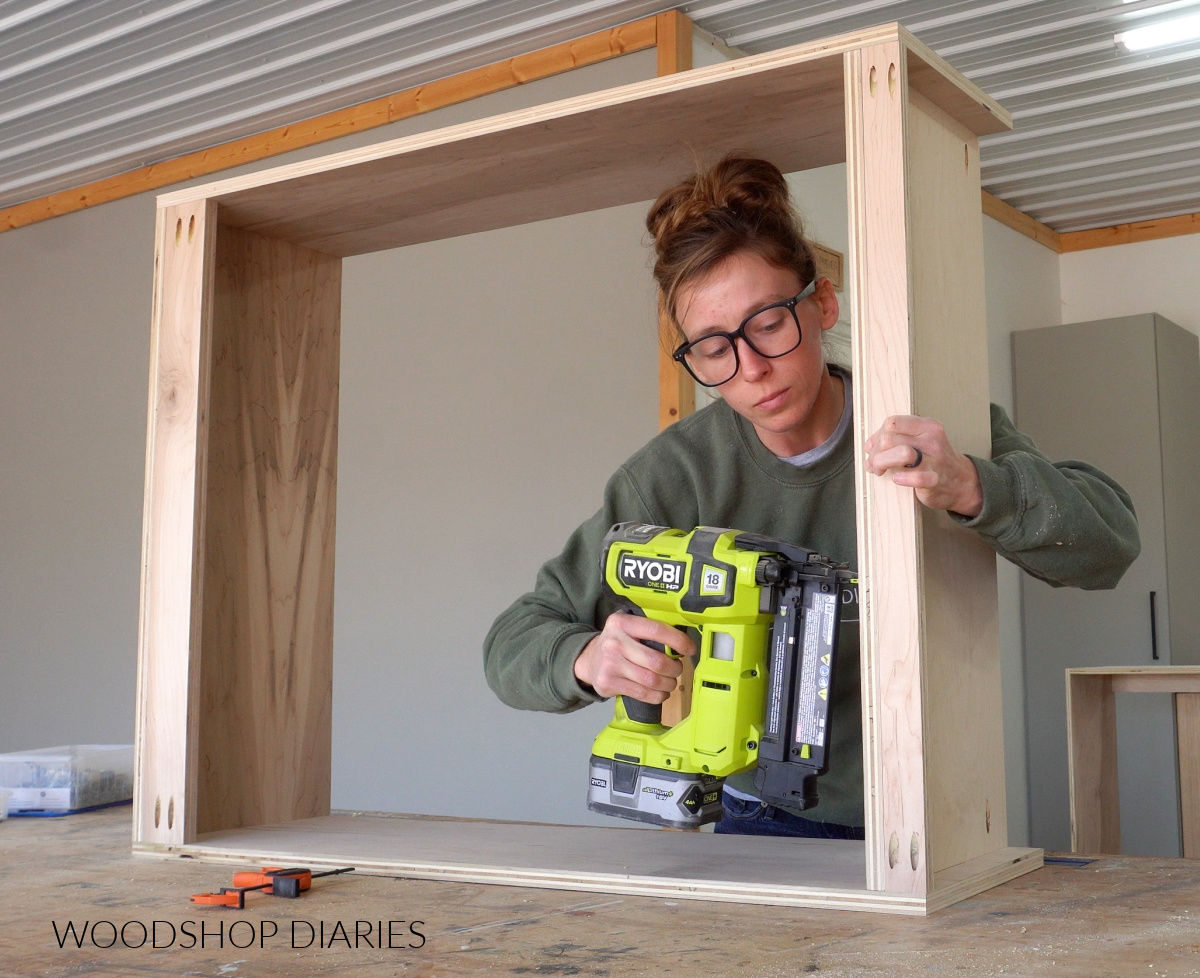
(833, 47)
(167, 705)
(814, 897)
(1021, 222)
(872, 763)
(1145, 679)
(141, 692)
(976, 875)
(889, 530)
(934, 77)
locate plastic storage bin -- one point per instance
(57, 780)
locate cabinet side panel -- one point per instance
(168, 653)
(888, 527)
(266, 674)
(964, 725)
(1179, 430)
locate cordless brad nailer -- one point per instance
(767, 614)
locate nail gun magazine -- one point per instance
(767, 615)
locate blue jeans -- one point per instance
(743, 817)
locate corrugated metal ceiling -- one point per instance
(1102, 136)
(89, 88)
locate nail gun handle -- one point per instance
(639, 710)
(642, 712)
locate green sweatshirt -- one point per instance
(1066, 523)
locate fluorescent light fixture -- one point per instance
(1175, 31)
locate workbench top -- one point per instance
(1120, 915)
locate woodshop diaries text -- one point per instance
(160, 934)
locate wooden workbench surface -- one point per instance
(1112, 916)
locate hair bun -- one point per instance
(748, 188)
(741, 203)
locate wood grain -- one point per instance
(612, 148)
(1092, 749)
(596, 150)
(626, 39)
(1142, 683)
(889, 530)
(676, 390)
(933, 77)
(267, 516)
(266, 676)
(1187, 733)
(1146, 679)
(1092, 762)
(964, 722)
(1162, 227)
(1116, 916)
(173, 528)
(678, 705)
(673, 42)
(1008, 215)
(637, 862)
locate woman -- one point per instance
(775, 456)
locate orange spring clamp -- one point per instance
(287, 883)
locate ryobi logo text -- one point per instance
(658, 575)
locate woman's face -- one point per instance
(785, 398)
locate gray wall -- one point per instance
(74, 362)
(452, 420)
(490, 385)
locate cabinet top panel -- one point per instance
(597, 150)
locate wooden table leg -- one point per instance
(1092, 759)
(1187, 729)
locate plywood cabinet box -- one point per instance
(235, 661)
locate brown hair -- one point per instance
(740, 204)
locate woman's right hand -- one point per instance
(616, 663)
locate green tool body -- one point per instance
(766, 614)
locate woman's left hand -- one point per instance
(941, 477)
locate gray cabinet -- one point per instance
(1123, 394)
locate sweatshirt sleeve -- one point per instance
(529, 653)
(1066, 523)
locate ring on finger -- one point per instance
(916, 461)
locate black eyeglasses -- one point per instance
(772, 331)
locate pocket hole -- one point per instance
(157, 811)
(872, 79)
(191, 228)
(171, 813)
(179, 230)
(892, 78)
(893, 850)
(914, 851)
(987, 815)
(966, 157)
